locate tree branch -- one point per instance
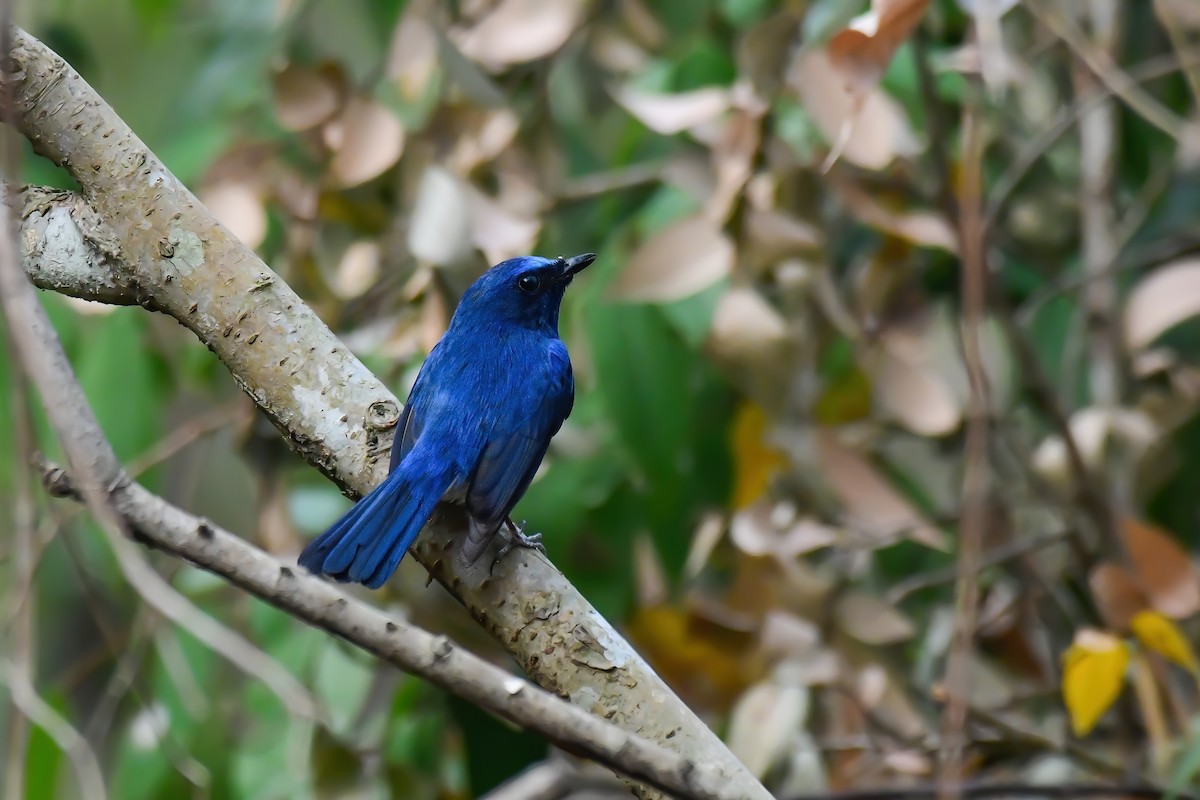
(165, 250)
(400, 643)
(69, 250)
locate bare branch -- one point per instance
(406, 646)
(109, 493)
(42, 714)
(67, 249)
(175, 257)
(976, 478)
(1101, 63)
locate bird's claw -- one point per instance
(518, 538)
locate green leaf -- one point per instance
(45, 763)
(1187, 769)
(120, 381)
(706, 64)
(744, 13)
(692, 316)
(671, 412)
(342, 683)
(680, 18)
(141, 770)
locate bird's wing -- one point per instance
(416, 408)
(406, 434)
(512, 455)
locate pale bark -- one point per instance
(160, 247)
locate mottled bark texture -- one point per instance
(143, 237)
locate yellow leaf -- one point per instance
(707, 664)
(1093, 674)
(847, 398)
(754, 460)
(1163, 636)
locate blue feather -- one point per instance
(479, 418)
(369, 541)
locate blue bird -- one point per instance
(478, 421)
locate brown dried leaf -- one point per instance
(678, 261)
(412, 54)
(482, 138)
(784, 633)
(755, 533)
(518, 31)
(1181, 13)
(1163, 569)
(870, 130)
(913, 392)
(922, 228)
(239, 208)
(918, 398)
(771, 235)
(764, 722)
(616, 52)
(707, 536)
(1161, 300)
(439, 230)
(305, 97)
(871, 620)
(746, 327)
(498, 232)
(672, 113)
(733, 155)
(871, 504)
(862, 51)
(367, 139)
(358, 270)
(435, 319)
(1093, 429)
(1117, 595)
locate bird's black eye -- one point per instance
(529, 284)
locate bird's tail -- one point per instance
(367, 543)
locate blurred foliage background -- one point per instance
(761, 482)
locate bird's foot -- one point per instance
(518, 538)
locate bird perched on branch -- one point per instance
(478, 421)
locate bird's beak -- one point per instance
(577, 264)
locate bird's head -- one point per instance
(525, 291)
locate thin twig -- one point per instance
(330, 408)
(1101, 63)
(19, 605)
(1045, 138)
(1040, 741)
(20, 597)
(115, 501)
(1175, 32)
(406, 646)
(978, 789)
(219, 638)
(998, 556)
(1097, 141)
(975, 480)
(40, 713)
(1116, 263)
(183, 436)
